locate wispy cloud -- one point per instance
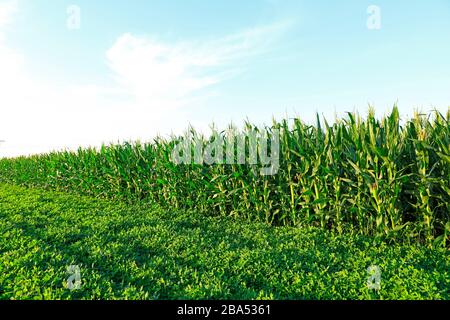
(159, 73)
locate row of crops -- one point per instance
(380, 177)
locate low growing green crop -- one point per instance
(145, 252)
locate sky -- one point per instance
(86, 72)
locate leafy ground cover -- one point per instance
(144, 252)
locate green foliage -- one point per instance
(365, 176)
(143, 252)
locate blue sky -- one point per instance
(137, 68)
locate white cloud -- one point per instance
(154, 72)
(157, 73)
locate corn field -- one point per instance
(370, 176)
